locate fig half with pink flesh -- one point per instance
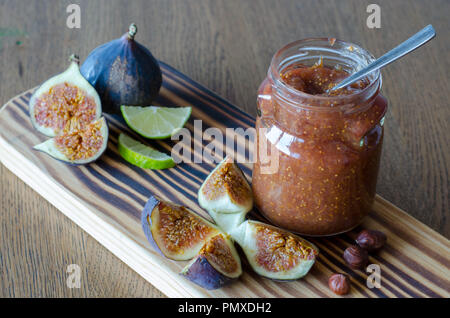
(64, 98)
(226, 190)
(123, 72)
(275, 253)
(78, 144)
(216, 265)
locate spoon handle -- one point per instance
(404, 48)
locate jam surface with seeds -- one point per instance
(317, 79)
(78, 143)
(280, 251)
(62, 103)
(218, 252)
(227, 179)
(179, 229)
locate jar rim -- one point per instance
(334, 44)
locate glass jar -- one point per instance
(317, 155)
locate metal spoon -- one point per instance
(417, 40)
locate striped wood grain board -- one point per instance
(106, 198)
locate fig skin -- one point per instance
(203, 272)
(71, 76)
(123, 72)
(146, 221)
(48, 147)
(147, 224)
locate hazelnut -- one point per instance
(339, 284)
(371, 240)
(356, 257)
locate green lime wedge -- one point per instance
(143, 156)
(156, 122)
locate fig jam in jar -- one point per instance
(318, 154)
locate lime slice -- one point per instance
(156, 122)
(143, 156)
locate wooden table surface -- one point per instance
(225, 45)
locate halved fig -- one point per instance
(78, 144)
(226, 190)
(275, 253)
(63, 98)
(216, 265)
(175, 231)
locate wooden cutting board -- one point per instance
(106, 198)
